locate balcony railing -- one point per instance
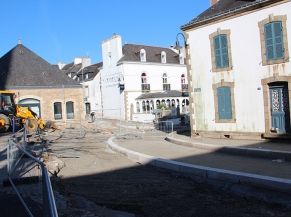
(166, 86)
(145, 87)
(184, 87)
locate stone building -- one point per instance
(239, 69)
(41, 86)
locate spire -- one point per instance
(19, 41)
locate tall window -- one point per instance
(274, 43)
(166, 86)
(274, 40)
(70, 110)
(183, 80)
(221, 51)
(143, 78)
(58, 110)
(142, 54)
(163, 57)
(137, 107)
(165, 78)
(224, 103)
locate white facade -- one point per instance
(121, 103)
(250, 77)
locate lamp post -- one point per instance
(177, 44)
(189, 75)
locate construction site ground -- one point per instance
(96, 181)
(99, 182)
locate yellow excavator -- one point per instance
(11, 113)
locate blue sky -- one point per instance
(59, 30)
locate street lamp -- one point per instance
(177, 45)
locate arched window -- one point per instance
(70, 110)
(168, 103)
(33, 104)
(166, 86)
(58, 110)
(152, 105)
(163, 57)
(183, 80)
(144, 78)
(142, 54)
(147, 106)
(143, 106)
(137, 107)
(173, 104)
(165, 78)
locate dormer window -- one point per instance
(142, 54)
(181, 59)
(163, 57)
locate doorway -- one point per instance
(279, 107)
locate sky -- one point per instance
(60, 30)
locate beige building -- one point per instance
(41, 86)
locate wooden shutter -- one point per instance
(278, 40)
(224, 103)
(274, 40)
(221, 51)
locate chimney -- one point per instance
(213, 2)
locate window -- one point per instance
(224, 102)
(163, 57)
(143, 55)
(143, 78)
(70, 110)
(145, 87)
(274, 40)
(274, 43)
(165, 79)
(221, 51)
(137, 107)
(58, 110)
(166, 86)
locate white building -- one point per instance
(239, 68)
(129, 71)
(88, 75)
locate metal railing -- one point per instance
(29, 177)
(145, 130)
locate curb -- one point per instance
(230, 180)
(251, 152)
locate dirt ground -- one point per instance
(98, 182)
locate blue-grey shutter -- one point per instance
(221, 51)
(274, 40)
(224, 50)
(278, 39)
(218, 61)
(269, 41)
(224, 103)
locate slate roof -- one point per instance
(20, 67)
(131, 53)
(171, 93)
(76, 70)
(92, 70)
(72, 69)
(226, 8)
